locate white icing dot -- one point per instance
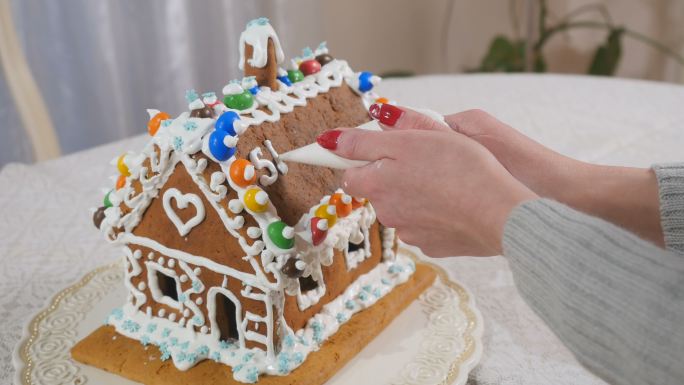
(137, 254)
(332, 210)
(288, 232)
(183, 278)
(249, 172)
(171, 262)
(235, 206)
(225, 282)
(230, 141)
(161, 313)
(161, 261)
(239, 222)
(261, 198)
(254, 232)
(181, 322)
(322, 224)
(148, 311)
(300, 265)
(186, 313)
(197, 271)
(150, 255)
(204, 329)
(346, 199)
(199, 301)
(142, 286)
(172, 317)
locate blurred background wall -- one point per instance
(99, 63)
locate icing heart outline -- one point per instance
(182, 200)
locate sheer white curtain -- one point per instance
(100, 63)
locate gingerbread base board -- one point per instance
(110, 351)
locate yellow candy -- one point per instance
(327, 212)
(256, 200)
(121, 165)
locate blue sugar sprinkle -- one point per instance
(298, 358)
(395, 269)
(385, 282)
(317, 331)
(349, 304)
(203, 350)
(283, 363)
(184, 345)
(197, 320)
(252, 375)
(259, 21)
(167, 122)
(225, 344)
(341, 318)
(189, 125)
(131, 326)
(191, 96)
(145, 340)
(177, 143)
(197, 286)
(323, 46)
(302, 341)
(151, 328)
(165, 355)
(307, 52)
(181, 356)
(209, 95)
(191, 357)
(367, 288)
(166, 332)
(363, 296)
(182, 297)
(289, 341)
(232, 354)
(216, 356)
(117, 314)
(174, 341)
(377, 293)
(247, 357)
(237, 368)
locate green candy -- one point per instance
(295, 76)
(107, 202)
(239, 101)
(275, 233)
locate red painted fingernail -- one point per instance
(328, 139)
(386, 113)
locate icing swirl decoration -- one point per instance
(183, 201)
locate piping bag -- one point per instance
(314, 154)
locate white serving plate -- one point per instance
(436, 340)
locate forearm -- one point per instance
(613, 299)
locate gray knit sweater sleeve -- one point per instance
(614, 299)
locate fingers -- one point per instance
(358, 144)
(402, 118)
(366, 181)
(473, 123)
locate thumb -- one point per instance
(359, 144)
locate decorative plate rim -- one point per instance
(456, 375)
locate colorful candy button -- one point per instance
(310, 67)
(107, 202)
(358, 202)
(241, 101)
(122, 166)
(121, 182)
(281, 234)
(226, 122)
(99, 216)
(365, 81)
(343, 204)
(295, 76)
(218, 147)
(256, 200)
(285, 80)
(324, 59)
(319, 230)
(381, 100)
(327, 212)
(155, 122)
(242, 172)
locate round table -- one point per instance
(47, 240)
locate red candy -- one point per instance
(310, 67)
(319, 230)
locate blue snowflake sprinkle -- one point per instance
(298, 358)
(130, 326)
(177, 143)
(181, 356)
(363, 296)
(323, 46)
(197, 286)
(247, 357)
(189, 125)
(341, 318)
(289, 341)
(174, 341)
(166, 332)
(385, 281)
(167, 122)
(165, 355)
(216, 356)
(197, 320)
(283, 363)
(117, 314)
(307, 52)
(377, 293)
(203, 350)
(184, 345)
(395, 269)
(317, 331)
(259, 21)
(208, 95)
(191, 357)
(182, 297)
(237, 368)
(225, 344)
(151, 328)
(349, 304)
(302, 341)
(191, 96)
(145, 340)
(367, 288)
(252, 375)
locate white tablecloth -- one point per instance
(47, 239)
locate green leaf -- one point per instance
(607, 56)
(503, 55)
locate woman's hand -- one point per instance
(442, 191)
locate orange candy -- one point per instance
(381, 100)
(121, 182)
(242, 173)
(343, 204)
(358, 202)
(155, 122)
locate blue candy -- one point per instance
(365, 84)
(225, 122)
(218, 149)
(254, 90)
(285, 80)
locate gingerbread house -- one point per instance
(231, 254)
